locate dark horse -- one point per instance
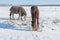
(35, 17)
(17, 10)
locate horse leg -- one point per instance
(21, 18)
(10, 15)
(37, 23)
(25, 17)
(34, 26)
(19, 14)
(37, 17)
(13, 16)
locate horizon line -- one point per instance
(29, 5)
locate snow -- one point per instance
(49, 28)
(8, 34)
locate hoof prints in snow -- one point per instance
(15, 24)
(45, 24)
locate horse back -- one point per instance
(22, 10)
(14, 9)
(34, 11)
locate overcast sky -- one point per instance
(30, 2)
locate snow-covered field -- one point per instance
(21, 30)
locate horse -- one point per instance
(35, 17)
(17, 10)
